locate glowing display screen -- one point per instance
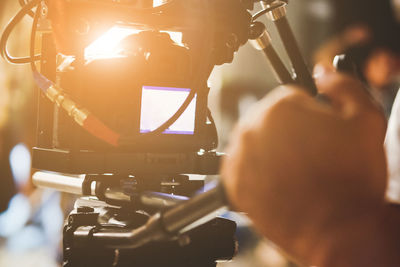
(160, 103)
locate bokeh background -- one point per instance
(31, 219)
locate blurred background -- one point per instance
(31, 219)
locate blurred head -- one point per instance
(378, 51)
(377, 15)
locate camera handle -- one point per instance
(176, 212)
(260, 39)
(201, 246)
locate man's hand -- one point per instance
(310, 175)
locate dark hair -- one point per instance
(377, 15)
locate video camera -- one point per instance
(128, 126)
(149, 97)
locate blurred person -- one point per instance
(367, 31)
(312, 177)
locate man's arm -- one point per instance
(312, 176)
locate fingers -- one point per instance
(249, 136)
(271, 100)
(347, 94)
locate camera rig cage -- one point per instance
(93, 123)
(90, 135)
(110, 139)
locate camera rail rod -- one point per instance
(260, 39)
(278, 16)
(161, 226)
(77, 185)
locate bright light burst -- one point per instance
(106, 46)
(157, 3)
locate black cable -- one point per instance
(32, 58)
(124, 140)
(23, 3)
(33, 38)
(7, 31)
(202, 71)
(197, 83)
(27, 9)
(178, 113)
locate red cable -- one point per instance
(100, 130)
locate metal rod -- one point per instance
(304, 78)
(289, 41)
(162, 226)
(179, 217)
(261, 40)
(280, 71)
(74, 185)
(59, 182)
(158, 200)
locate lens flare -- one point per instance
(157, 3)
(106, 46)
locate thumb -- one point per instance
(346, 94)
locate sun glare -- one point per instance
(175, 36)
(106, 46)
(157, 3)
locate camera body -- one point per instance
(139, 90)
(134, 94)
